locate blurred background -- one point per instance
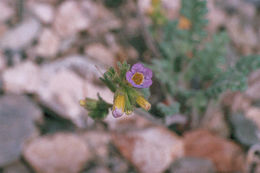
(52, 53)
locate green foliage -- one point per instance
(193, 66)
(126, 97)
(98, 109)
(169, 110)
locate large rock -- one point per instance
(60, 92)
(151, 150)
(66, 153)
(226, 155)
(17, 116)
(102, 20)
(192, 165)
(214, 121)
(6, 11)
(100, 53)
(70, 19)
(44, 11)
(98, 143)
(21, 36)
(48, 44)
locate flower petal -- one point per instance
(147, 83)
(117, 113)
(129, 76)
(148, 74)
(138, 67)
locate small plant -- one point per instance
(193, 67)
(128, 86)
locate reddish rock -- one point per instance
(150, 150)
(225, 154)
(66, 153)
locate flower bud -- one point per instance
(143, 103)
(119, 105)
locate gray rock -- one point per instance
(17, 167)
(17, 115)
(21, 36)
(192, 165)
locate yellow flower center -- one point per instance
(138, 78)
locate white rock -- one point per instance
(22, 78)
(58, 85)
(21, 36)
(48, 44)
(65, 153)
(43, 11)
(70, 19)
(100, 53)
(6, 11)
(151, 150)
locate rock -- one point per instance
(226, 155)
(2, 62)
(17, 167)
(43, 11)
(253, 159)
(60, 92)
(192, 164)
(216, 17)
(98, 143)
(151, 150)
(253, 91)
(214, 121)
(16, 79)
(98, 170)
(6, 11)
(253, 113)
(240, 103)
(245, 130)
(244, 37)
(254, 77)
(70, 19)
(236, 101)
(17, 115)
(21, 36)
(102, 20)
(101, 54)
(48, 44)
(66, 153)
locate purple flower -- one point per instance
(139, 76)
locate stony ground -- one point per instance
(51, 55)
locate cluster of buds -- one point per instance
(127, 85)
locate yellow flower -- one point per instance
(119, 106)
(184, 23)
(143, 103)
